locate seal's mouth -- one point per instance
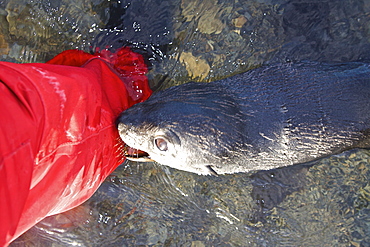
(136, 154)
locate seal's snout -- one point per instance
(124, 123)
(121, 127)
(126, 130)
(128, 136)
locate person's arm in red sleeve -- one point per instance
(58, 136)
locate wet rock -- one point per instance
(196, 66)
(239, 21)
(43, 29)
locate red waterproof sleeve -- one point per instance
(58, 137)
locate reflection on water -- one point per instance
(148, 204)
(200, 40)
(35, 31)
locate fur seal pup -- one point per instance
(266, 118)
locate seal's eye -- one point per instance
(161, 144)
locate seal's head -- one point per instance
(184, 127)
(263, 119)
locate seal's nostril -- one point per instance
(122, 127)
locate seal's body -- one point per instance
(266, 118)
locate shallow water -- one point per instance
(35, 31)
(324, 203)
(149, 204)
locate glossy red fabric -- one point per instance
(58, 137)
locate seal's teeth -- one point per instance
(136, 154)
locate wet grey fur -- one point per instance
(266, 118)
